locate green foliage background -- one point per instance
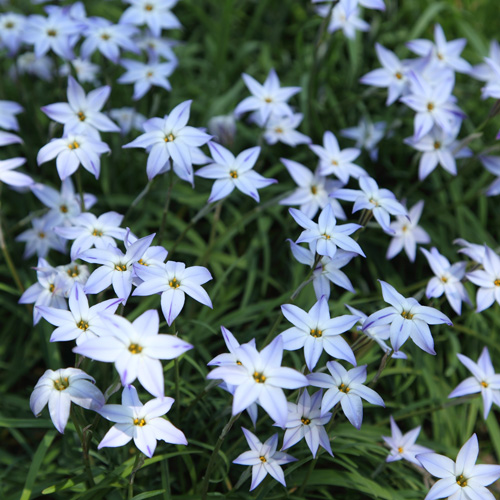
(244, 247)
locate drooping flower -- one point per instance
(264, 459)
(62, 387)
(462, 479)
(484, 380)
(345, 387)
(403, 445)
(142, 423)
(233, 172)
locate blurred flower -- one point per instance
(315, 331)
(492, 164)
(41, 238)
(7, 176)
(155, 13)
(487, 279)
(8, 112)
(407, 233)
(6, 138)
(367, 135)
(345, 16)
(128, 119)
(12, 28)
(86, 71)
(407, 319)
(62, 387)
(223, 128)
(28, 63)
(484, 71)
(233, 172)
(484, 380)
(282, 129)
(136, 349)
(142, 423)
(460, 479)
(345, 387)
(264, 459)
(403, 445)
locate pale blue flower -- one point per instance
(487, 279)
(156, 14)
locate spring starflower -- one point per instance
(62, 387)
(156, 14)
(345, 17)
(484, 380)
(41, 238)
(8, 112)
(407, 319)
(403, 445)
(282, 129)
(142, 423)
(264, 459)
(367, 135)
(462, 479)
(488, 280)
(233, 172)
(345, 387)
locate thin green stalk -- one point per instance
(166, 207)
(86, 457)
(139, 462)
(138, 198)
(215, 453)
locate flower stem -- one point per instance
(86, 457)
(138, 198)
(215, 453)
(139, 462)
(167, 206)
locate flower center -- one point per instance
(120, 267)
(9, 25)
(260, 378)
(437, 144)
(461, 481)
(41, 235)
(52, 287)
(484, 384)
(140, 422)
(326, 236)
(105, 36)
(51, 32)
(400, 449)
(316, 333)
(169, 138)
(398, 75)
(233, 174)
(404, 229)
(135, 349)
(430, 106)
(61, 383)
(440, 56)
(268, 99)
(335, 163)
(73, 272)
(141, 262)
(314, 189)
(305, 421)
(148, 7)
(63, 209)
(444, 279)
(374, 202)
(81, 116)
(497, 282)
(83, 325)
(407, 315)
(263, 459)
(174, 283)
(343, 388)
(239, 363)
(74, 144)
(278, 130)
(96, 232)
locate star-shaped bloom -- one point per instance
(56, 32)
(377, 333)
(116, 267)
(41, 238)
(108, 38)
(233, 172)
(438, 148)
(81, 322)
(73, 273)
(345, 17)
(267, 99)
(391, 76)
(261, 378)
(406, 233)
(445, 54)
(282, 129)
(367, 135)
(325, 236)
(8, 112)
(333, 160)
(11, 178)
(142, 423)
(407, 319)
(28, 64)
(313, 190)
(136, 349)
(64, 205)
(306, 422)
(88, 231)
(327, 270)
(170, 138)
(484, 380)
(173, 281)
(86, 71)
(156, 14)
(72, 151)
(492, 87)
(403, 445)
(485, 71)
(128, 119)
(488, 280)
(59, 389)
(448, 279)
(462, 479)
(433, 105)
(12, 27)
(82, 113)
(345, 387)
(145, 75)
(472, 250)
(49, 290)
(315, 331)
(381, 202)
(264, 459)
(157, 47)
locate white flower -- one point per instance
(282, 129)
(488, 280)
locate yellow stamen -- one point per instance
(484, 384)
(314, 189)
(9, 25)
(96, 232)
(263, 459)
(41, 235)
(233, 174)
(105, 36)
(148, 7)
(278, 130)
(239, 363)
(174, 283)
(268, 99)
(83, 325)
(430, 106)
(63, 209)
(52, 288)
(141, 262)
(444, 279)
(461, 481)
(316, 333)
(61, 384)
(407, 315)
(140, 422)
(73, 272)
(437, 144)
(120, 267)
(81, 115)
(260, 378)
(51, 32)
(343, 388)
(169, 137)
(305, 421)
(149, 74)
(398, 75)
(400, 449)
(335, 163)
(135, 348)
(497, 282)
(326, 236)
